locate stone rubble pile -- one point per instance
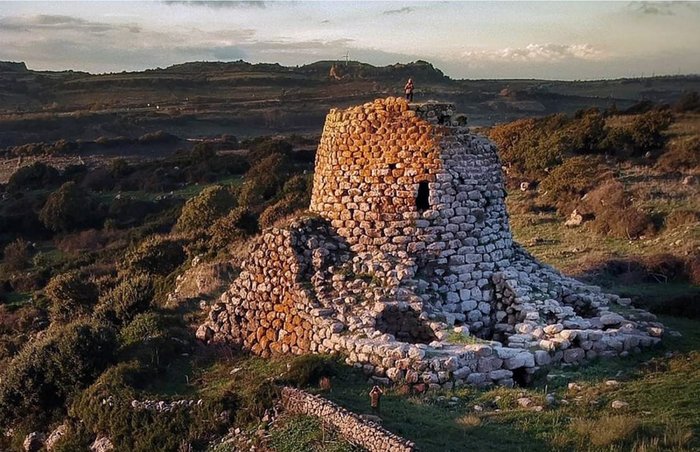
(410, 269)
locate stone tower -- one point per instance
(404, 185)
(413, 251)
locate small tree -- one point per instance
(16, 255)
(156, 255)
(68, 208)
(204, 209)
(71, 295)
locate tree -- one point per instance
(67, 209)
(71, 295)
(204, 209)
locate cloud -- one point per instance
(537, 53)
(219, 4)
(404, 10)
(46, 22)
(662, 8)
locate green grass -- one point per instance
(300, 433)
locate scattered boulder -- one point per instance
(55, 436)
(619, 404)
(34, 442)
(101, 444)
(575, 219)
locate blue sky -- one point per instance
(553, 40)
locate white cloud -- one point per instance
(537, 53)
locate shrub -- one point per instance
(531, 146)
(202, 210)
(148, 325)
(52, 369)
(195, 425)
(566, 183)
(585, 134)
(33, 177)
(264, 180)
(157, 255)
(680, 154)
(99, 179)
(260, 150)
(131, 296)
(203, 152)
(17, 255)
(71, 295)
(689, 102)
(614, 213)
(647, 130)
(679, 218)
(68, 208)
(239, 223)
(282, 208)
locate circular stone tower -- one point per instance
(402, 183)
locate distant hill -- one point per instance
(207, 98)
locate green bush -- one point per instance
(71, 295)
(264, 180)
(566, 183)
(156, 431)
(131, 296)
(615, 214)
(157, 255)
(680, 154)
(261, 149)
(146, 326)
(202, 210)
(47, 372)
(36, 176)
(203, 152)
(68, 208)
(647, 130)
(585, 134)
(239, 223)
(283, 208)
(530, 146)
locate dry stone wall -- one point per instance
(410, 269)
(352, 427)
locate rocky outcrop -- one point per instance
(410, 269)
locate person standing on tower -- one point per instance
(409, 90)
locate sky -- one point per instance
(550, 40)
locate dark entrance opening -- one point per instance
(422, 197)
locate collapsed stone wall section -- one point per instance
(357, 430)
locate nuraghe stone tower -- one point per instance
(409, 268)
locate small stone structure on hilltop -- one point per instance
(409, 267)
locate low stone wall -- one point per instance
(352, 427)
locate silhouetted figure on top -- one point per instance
(409, 90)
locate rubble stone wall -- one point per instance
(352, 427)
